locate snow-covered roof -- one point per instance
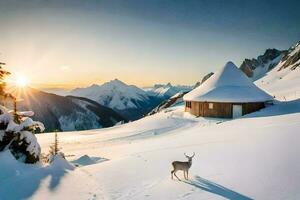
(228, 85)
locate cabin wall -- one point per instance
(223, 110)
(220, 110)
(252, 107)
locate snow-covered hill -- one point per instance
(67, 113)
(128, 100)
(283, 81)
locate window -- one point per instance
(211, 106)
(189, 104)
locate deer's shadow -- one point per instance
(215, 188)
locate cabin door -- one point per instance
(237, 111)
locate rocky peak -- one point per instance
(249, 65)
(291, 57)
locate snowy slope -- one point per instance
(284, 80)
(133, 161)
(129, 100)
(172, 101)
(257, 68)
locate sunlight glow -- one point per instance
(22, 81)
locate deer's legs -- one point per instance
(187, 175)
(176, 175)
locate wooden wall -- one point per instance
(221, 110)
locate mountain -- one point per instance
(128, 100)
(67, 113)
(166, 91)
(207, 76)
(58, 91)
(172, 101)
(257, 68)
(284, 79)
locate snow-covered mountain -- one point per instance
(172, 101)
(284, 79)
(128, 100)
(67, 113)
(166, 91)
(257, 68)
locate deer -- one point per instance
(182, 166)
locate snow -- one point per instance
(260, 71)
(26, 113)
(20, 181)
(284, 84)
(114, 94)
(167, 90)
(228, 85)
(232, 160)
(28, 122)
(294, 49)
(33, 145)
(7, 118)
(86, 160)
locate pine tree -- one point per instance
(3, 74)
(15, 128)
(54, 148)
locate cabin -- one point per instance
(229, 93)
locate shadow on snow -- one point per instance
(215, 188)
(21, 181)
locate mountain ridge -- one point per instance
(67, 113)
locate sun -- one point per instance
(22, 81)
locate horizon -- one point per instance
(71, 44)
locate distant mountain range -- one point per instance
(128, 100)
(67, 113)
(166, 91)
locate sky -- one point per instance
(75, 43)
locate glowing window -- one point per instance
(211, 106)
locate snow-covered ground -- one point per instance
(254, 157)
